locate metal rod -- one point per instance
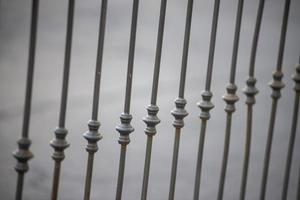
(230, 98)
(151, 119)
(179, 111)
(101, 37)
(22, 154)
(298, 188)
(55, 183)
(247, 152)
(131, 55)
(236, 40)
(174, 164)
(250, 91)
(186, 44)
(296, 78)
(199, 160)
(256, 36)
(276, 84)
(283, 34)
(59, 143)
(159, 44)
(89, 176)
(147, 167)
(268, 149)
(121, 172)
(30, 72)
(20, 182)
(92, 135)
(125, 127)
(64, 93)
(212, 45)
(206, 105)
(225, 157)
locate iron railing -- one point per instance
(151, 119)
(92, 136)
(22, 154)
(59, 143)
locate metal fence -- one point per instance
(93, 136)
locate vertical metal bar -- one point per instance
(179, 111)
(20, 183)
(159, 43)
(212, 45)
(250, 91)
(147, 167)
(256, 37)
(276, 84)
(151, 119)
(69, 33)
(55, 183)
(247, 152)
(174, 163)
(200, 159)
(121, 172)
(186, 44)
(92, 135)
(225, 156)
(131, 55)
(88, 177)
(230, 98)
(101, 37)
(298, 188)
(59, 143)
(296, 78)
(125, 127)
(206, 105)
(22, 154)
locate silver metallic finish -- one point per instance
(230, 98)
(125, 127)
(206, 105)
(151, 119)
(276, 84)
(179, 112)
(22, 154)
(250, 91)
(59, 143)
(296, 78)
(92, 135)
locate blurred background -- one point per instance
(14, 40)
